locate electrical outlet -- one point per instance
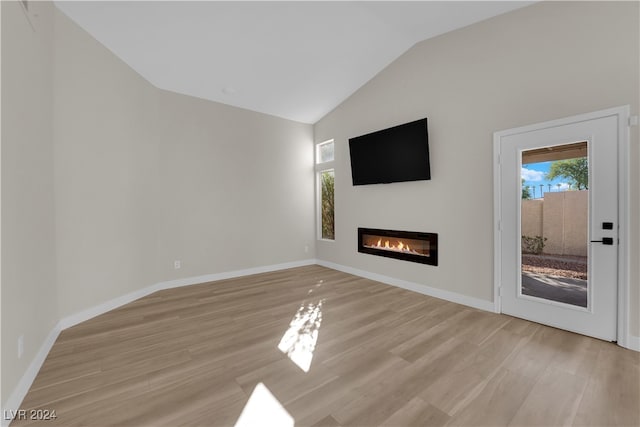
(306, 249)
(20, 346)
(177, 264)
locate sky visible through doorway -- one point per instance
(534, 175)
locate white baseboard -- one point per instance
(232, 274)
(99, 309)
(90, 313)
(17, 396)
(415, 287)
(15, 399)
(633, 343)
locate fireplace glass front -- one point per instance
(405, 245)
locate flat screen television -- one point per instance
(397, 154)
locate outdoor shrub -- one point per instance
(533, 245)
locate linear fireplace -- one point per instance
(405, 245)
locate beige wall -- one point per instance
(542, 62)
(29, 306)
(145, 177)
(235, 188)
(565, 223)
(133, 193)
(141, 177)
(562, 218)
(531, 223)
(106, 172)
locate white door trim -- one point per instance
(622, 113)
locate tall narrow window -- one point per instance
(325, 177)
(327, 184)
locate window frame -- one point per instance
(320, 168)
(317, 154)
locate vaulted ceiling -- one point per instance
(296, 60)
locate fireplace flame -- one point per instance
(396, 245)
(400, 247)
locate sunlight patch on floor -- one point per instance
(263, 408)
(299, 341)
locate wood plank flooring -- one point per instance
(193, 356)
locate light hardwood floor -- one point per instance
(383, 356)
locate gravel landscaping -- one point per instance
(556, 265)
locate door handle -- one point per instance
(604, 241)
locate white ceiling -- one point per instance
(296, 60)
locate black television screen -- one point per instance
(397, 154)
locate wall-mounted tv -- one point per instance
(397, 154)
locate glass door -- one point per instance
(554, 217)
(558, 209)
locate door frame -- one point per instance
(622, 113)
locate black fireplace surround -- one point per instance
(405, 245)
